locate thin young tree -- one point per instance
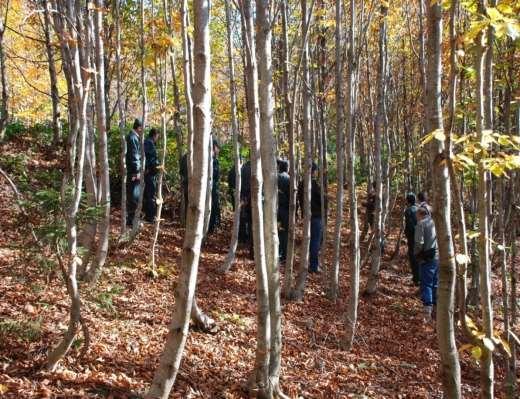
(230, 258)
(379, 127)
(4, 111)
(340, 134)
(69, 21)
(168, 369)
(260, 378)
(442, 204)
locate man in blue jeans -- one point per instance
(427, 253)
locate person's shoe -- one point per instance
(427, 314)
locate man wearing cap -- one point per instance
(410, 221)
(133, 170)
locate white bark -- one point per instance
(166, 374)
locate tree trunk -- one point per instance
(351, 315)
(482, 120)
(442, 204)
(67, 21)
(307, 160)
(340, 127)
(55, 97)
(4, 111)
(263, 348)
(379, 123)
(166, 374)
(104, 176)
(230, 258)
(270, 189)
(121, 111)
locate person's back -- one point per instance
(133, 153)
(410, 217)
(423, 202)
(426, 239)
(151, 161)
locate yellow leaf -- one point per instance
(3, 389)
(494, 14)
(476, 352)
(439, 135)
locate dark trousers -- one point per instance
(214, 217)
(150, 189)
(245, 228)
(283, 232)
(414, 263)
(132, 198)
(315, 245)
(429, 281)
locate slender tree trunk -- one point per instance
(230, 258)
(55, 97)
(351, 316)
(378, 137)
(263, 348)
(270, 178)
(307, 160)
(340, 128)
(487, 368)
(288, 105)
(166, 374)
(121, 112)
(4, 111)
(67, 21)
(104, 173)
(442, 204)
(186, 68)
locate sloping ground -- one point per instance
(395, 354)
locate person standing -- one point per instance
(284, 188)
(370, 207)
(133, 170)
(316, 221)
(150, 175)
(410, 221)
(214, 218)
(245, 234)
(423, 202)
(427, 253)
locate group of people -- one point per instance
(246, 229)
(133, 163)
(423, 251)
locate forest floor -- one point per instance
(394, 356)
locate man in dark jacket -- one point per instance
(133, 170)
(410, 220)
(150, 176)
(316, 222)
(370, 207)
(214, 217)
(283, 207)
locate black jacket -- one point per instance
(284, 191)
(410, 221)
(151, 161)
(315, 198)
(133, 153)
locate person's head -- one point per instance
(216, 148)
(314, 168)
(138, 126)
(410, 199)
(283, 166)
(421, 213)
(422, 197)
(153, 134)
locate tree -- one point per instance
(442, 209)
(4, 112)
(166, 373)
